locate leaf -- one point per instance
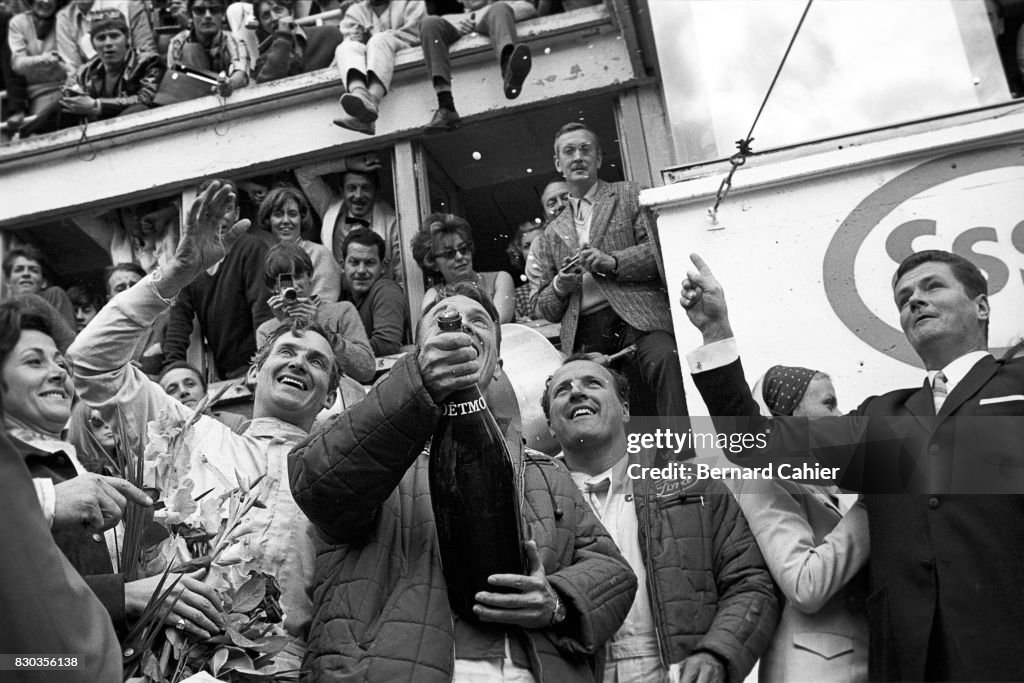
(241, 641)
(271, 645)
(250, 595)
(220, 657)
(151, 667)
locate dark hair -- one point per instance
(299, 328)
(126, 266)
(438, 224)
(619, 379)
(27, 252)
(367, 238)
(966, 273)
(29, 312)
(82, 296)
(182, 365)
(372, 176)
(286, 258)
(189, 3)
(572, 127)
(276, 200)
(470, 290)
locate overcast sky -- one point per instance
(856, 64)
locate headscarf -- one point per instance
(781, 389)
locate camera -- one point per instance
(286, 287)
(72, 90)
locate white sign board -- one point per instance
(806, 248)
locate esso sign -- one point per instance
(970, 203)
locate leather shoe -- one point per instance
(359, 105)
(516, 70)
(443, 119)
(352, 123)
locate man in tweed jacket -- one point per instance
(613, 295)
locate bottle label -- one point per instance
(465, 408)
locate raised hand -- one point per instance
(363, 163)
(704, 300)
(448, 361)
(211, 229)
(532, 607)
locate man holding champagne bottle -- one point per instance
(382, 598)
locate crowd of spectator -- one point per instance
(71, 61)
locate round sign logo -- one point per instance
(969, 203)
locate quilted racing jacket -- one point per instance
(380, 600)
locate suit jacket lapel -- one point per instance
(604, 204)
(970, 385)
(921, 405)
(566, 229)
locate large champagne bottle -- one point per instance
(474, 495)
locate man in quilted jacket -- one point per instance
(382, 610)
(708, 607)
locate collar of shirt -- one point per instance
(615, 475)
(958, 369)
(589, 196)
(274, 428)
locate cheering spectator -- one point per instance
(119, 79)
(380, 301)
(357, 205)
(363, 482)
(374, 31)
(291, 49)
(494, 18)
(46, 606)
(25, 272)
(288, 272)
(446, 241)
(286, 214)
(294, 374)
(207, 47)
(555, 197)
(87, 304)
(708, 607)
(73, 40)
(185, 383)
(33, 44)
(230, 301)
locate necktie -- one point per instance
(352, 220)
(939, 391)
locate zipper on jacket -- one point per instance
(652, 586)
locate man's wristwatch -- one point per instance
(559, 613)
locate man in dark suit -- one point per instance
(599, 276)
(945, 602)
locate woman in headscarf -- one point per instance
(814, 551)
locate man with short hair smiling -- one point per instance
(295, 376)
(380, 301)
(356, 205)
(25, 271)
(945, 564)
(185, 383)
(73, 41)
(675, 623)
(363, 481)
